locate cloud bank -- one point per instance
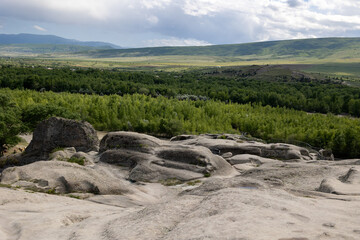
(152, 22)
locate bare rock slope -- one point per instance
(135, 186)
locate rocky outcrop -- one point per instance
(124, 158)
(129, 140)
(60, 133)
(63, 177)
(248, 158)
(326, 154)
(150, 159)
(181, 162)
(348, 184)
(218, 183)
(236, 145)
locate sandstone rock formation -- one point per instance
(129, 140)
(212, 186)
(152, 160)
(60, 133)
(348, 184)
(63, 177)
(236, 145)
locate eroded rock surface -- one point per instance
(150, 159)
(348, 184)
(192, 187)
(129, 140)
(61, 133)
(236, 146)
(63, 177)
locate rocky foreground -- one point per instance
(69, 185)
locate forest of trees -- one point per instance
(168, 116)
(243, 87)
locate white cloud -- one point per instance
(150, 4)
(175, 42)
(214, 21)
(37, 27)
(153, 19)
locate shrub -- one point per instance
(10, 123)
(80, 161)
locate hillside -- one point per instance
(307, 48)
(287, 51)
(24, 38)
(32, 44)
(36, 49)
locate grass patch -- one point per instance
(193, 183)
(5, 185)
(80, 160)
(73, 196)
(171, 182)
(57, 149)
(207, 175)
(51, 191)
(8, 161)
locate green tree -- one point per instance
(34, 114)
(10, 123)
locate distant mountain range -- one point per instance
(24, 38)
(33, 45)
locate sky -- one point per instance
(148, 23)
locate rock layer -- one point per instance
(60, 133)
(150, 159)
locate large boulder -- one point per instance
(64, 177)
(61, 133)
(169, 162)
(152, 160)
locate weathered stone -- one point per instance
(227, 155)
(326, 154)
(248, 158)
(62, 154)
(169, 162)
(63, 177)
(236, 147)
(125, 158)
(60, 133)
(129, 140)
(349, 184)
(182, 137)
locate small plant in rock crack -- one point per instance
(78, 160)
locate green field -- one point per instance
(346, 71)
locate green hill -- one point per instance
(307, 48)
(33, 45)
(36, 49)
(24, 38)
